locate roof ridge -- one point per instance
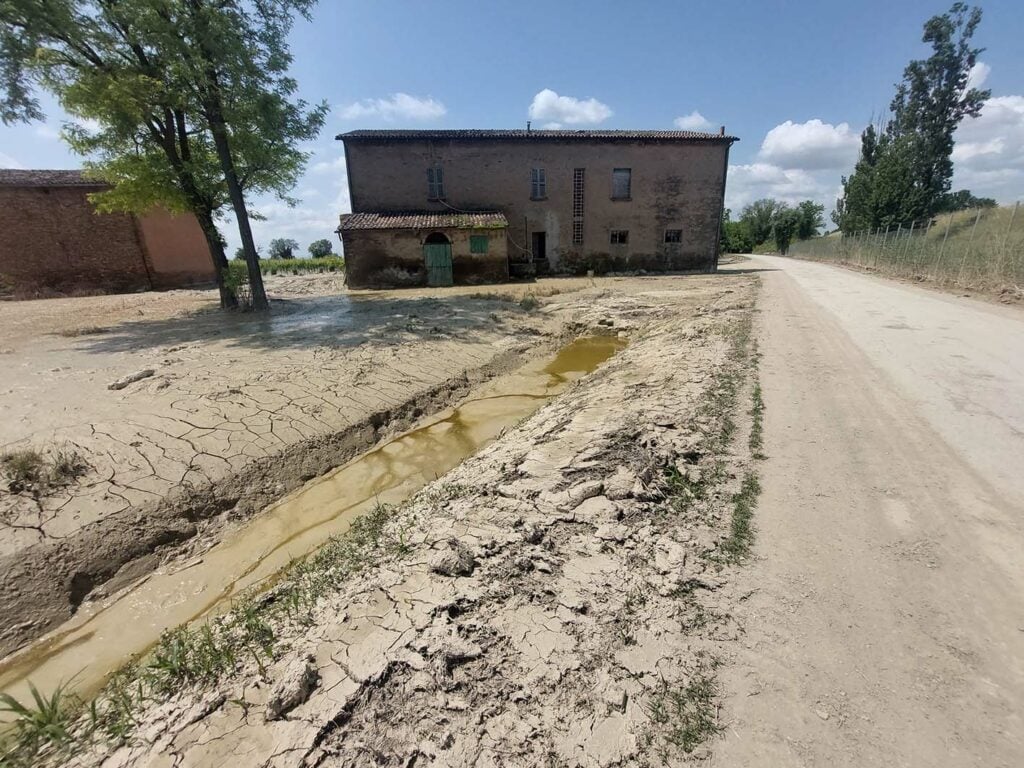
(520, 133)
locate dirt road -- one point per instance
(885, 617)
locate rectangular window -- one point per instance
(620, 236)
(622, 183)
(538, 184)
(478, 243)
(435, 183)
(577, 206)
(673, 235)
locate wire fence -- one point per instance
(981, 249)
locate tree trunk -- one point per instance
(228, 300)
(227, 164)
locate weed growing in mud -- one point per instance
(529, 302)
(43, 724)
(741, 533)
(683, 716)
(30, 471)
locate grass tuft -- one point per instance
(757, 424)
(741, 533)
(683, 717)
(31, 471)
(45, 722)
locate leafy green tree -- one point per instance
(735, 236)
(905, 173)
(811, 219)
(192, 98)
(934, 98)
(784, 227)
(759, 217)
(283, 248)
(319, 249)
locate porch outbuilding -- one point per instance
(387, 250)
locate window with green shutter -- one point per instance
(478, 243)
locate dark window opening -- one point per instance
(435, 183)
(620, 236)
(538, 184)
(622, 183)
(673, 235)
(437, 238)
(479, 243)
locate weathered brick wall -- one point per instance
(53, 241)
(387, 258)
(177, 250)
(675, 185)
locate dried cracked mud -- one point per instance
(556, 599)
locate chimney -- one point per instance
(721, 131)
(527, 126)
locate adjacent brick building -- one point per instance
(570, 201)
(53, 241)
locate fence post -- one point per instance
(923, 246)
(910, 236)
(880, 251)
(942, 248)
(967, 251)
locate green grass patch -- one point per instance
(756, 441)
(741, 529)
(37, 473)
(684, 715)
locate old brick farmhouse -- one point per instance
(53, 241)
(464, 206)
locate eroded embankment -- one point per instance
(554, 599)
(250, 556)
(44, 585)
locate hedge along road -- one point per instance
(885, 623)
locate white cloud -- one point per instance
(813, 145)
(988, 157)
(548, 105)
(398, 106)
(552, 126)
(753, 181)
(978, 75)
(694, 121)
(6, 161)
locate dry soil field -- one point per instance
(768, 517)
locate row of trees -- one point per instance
(285, 248)
(188, 103)
(905, 168)
(771, 221)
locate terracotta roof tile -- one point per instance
(523, 135)
(425, 220)
(11, 177)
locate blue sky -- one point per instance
(796, 81)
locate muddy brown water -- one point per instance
(105, 635)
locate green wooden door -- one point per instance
(438, 257)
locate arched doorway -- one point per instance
(437, 255)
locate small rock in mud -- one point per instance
(620, 485)
(612, 532)
(669, 556)
(131, 378)
(293, 688)
(452, 559)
